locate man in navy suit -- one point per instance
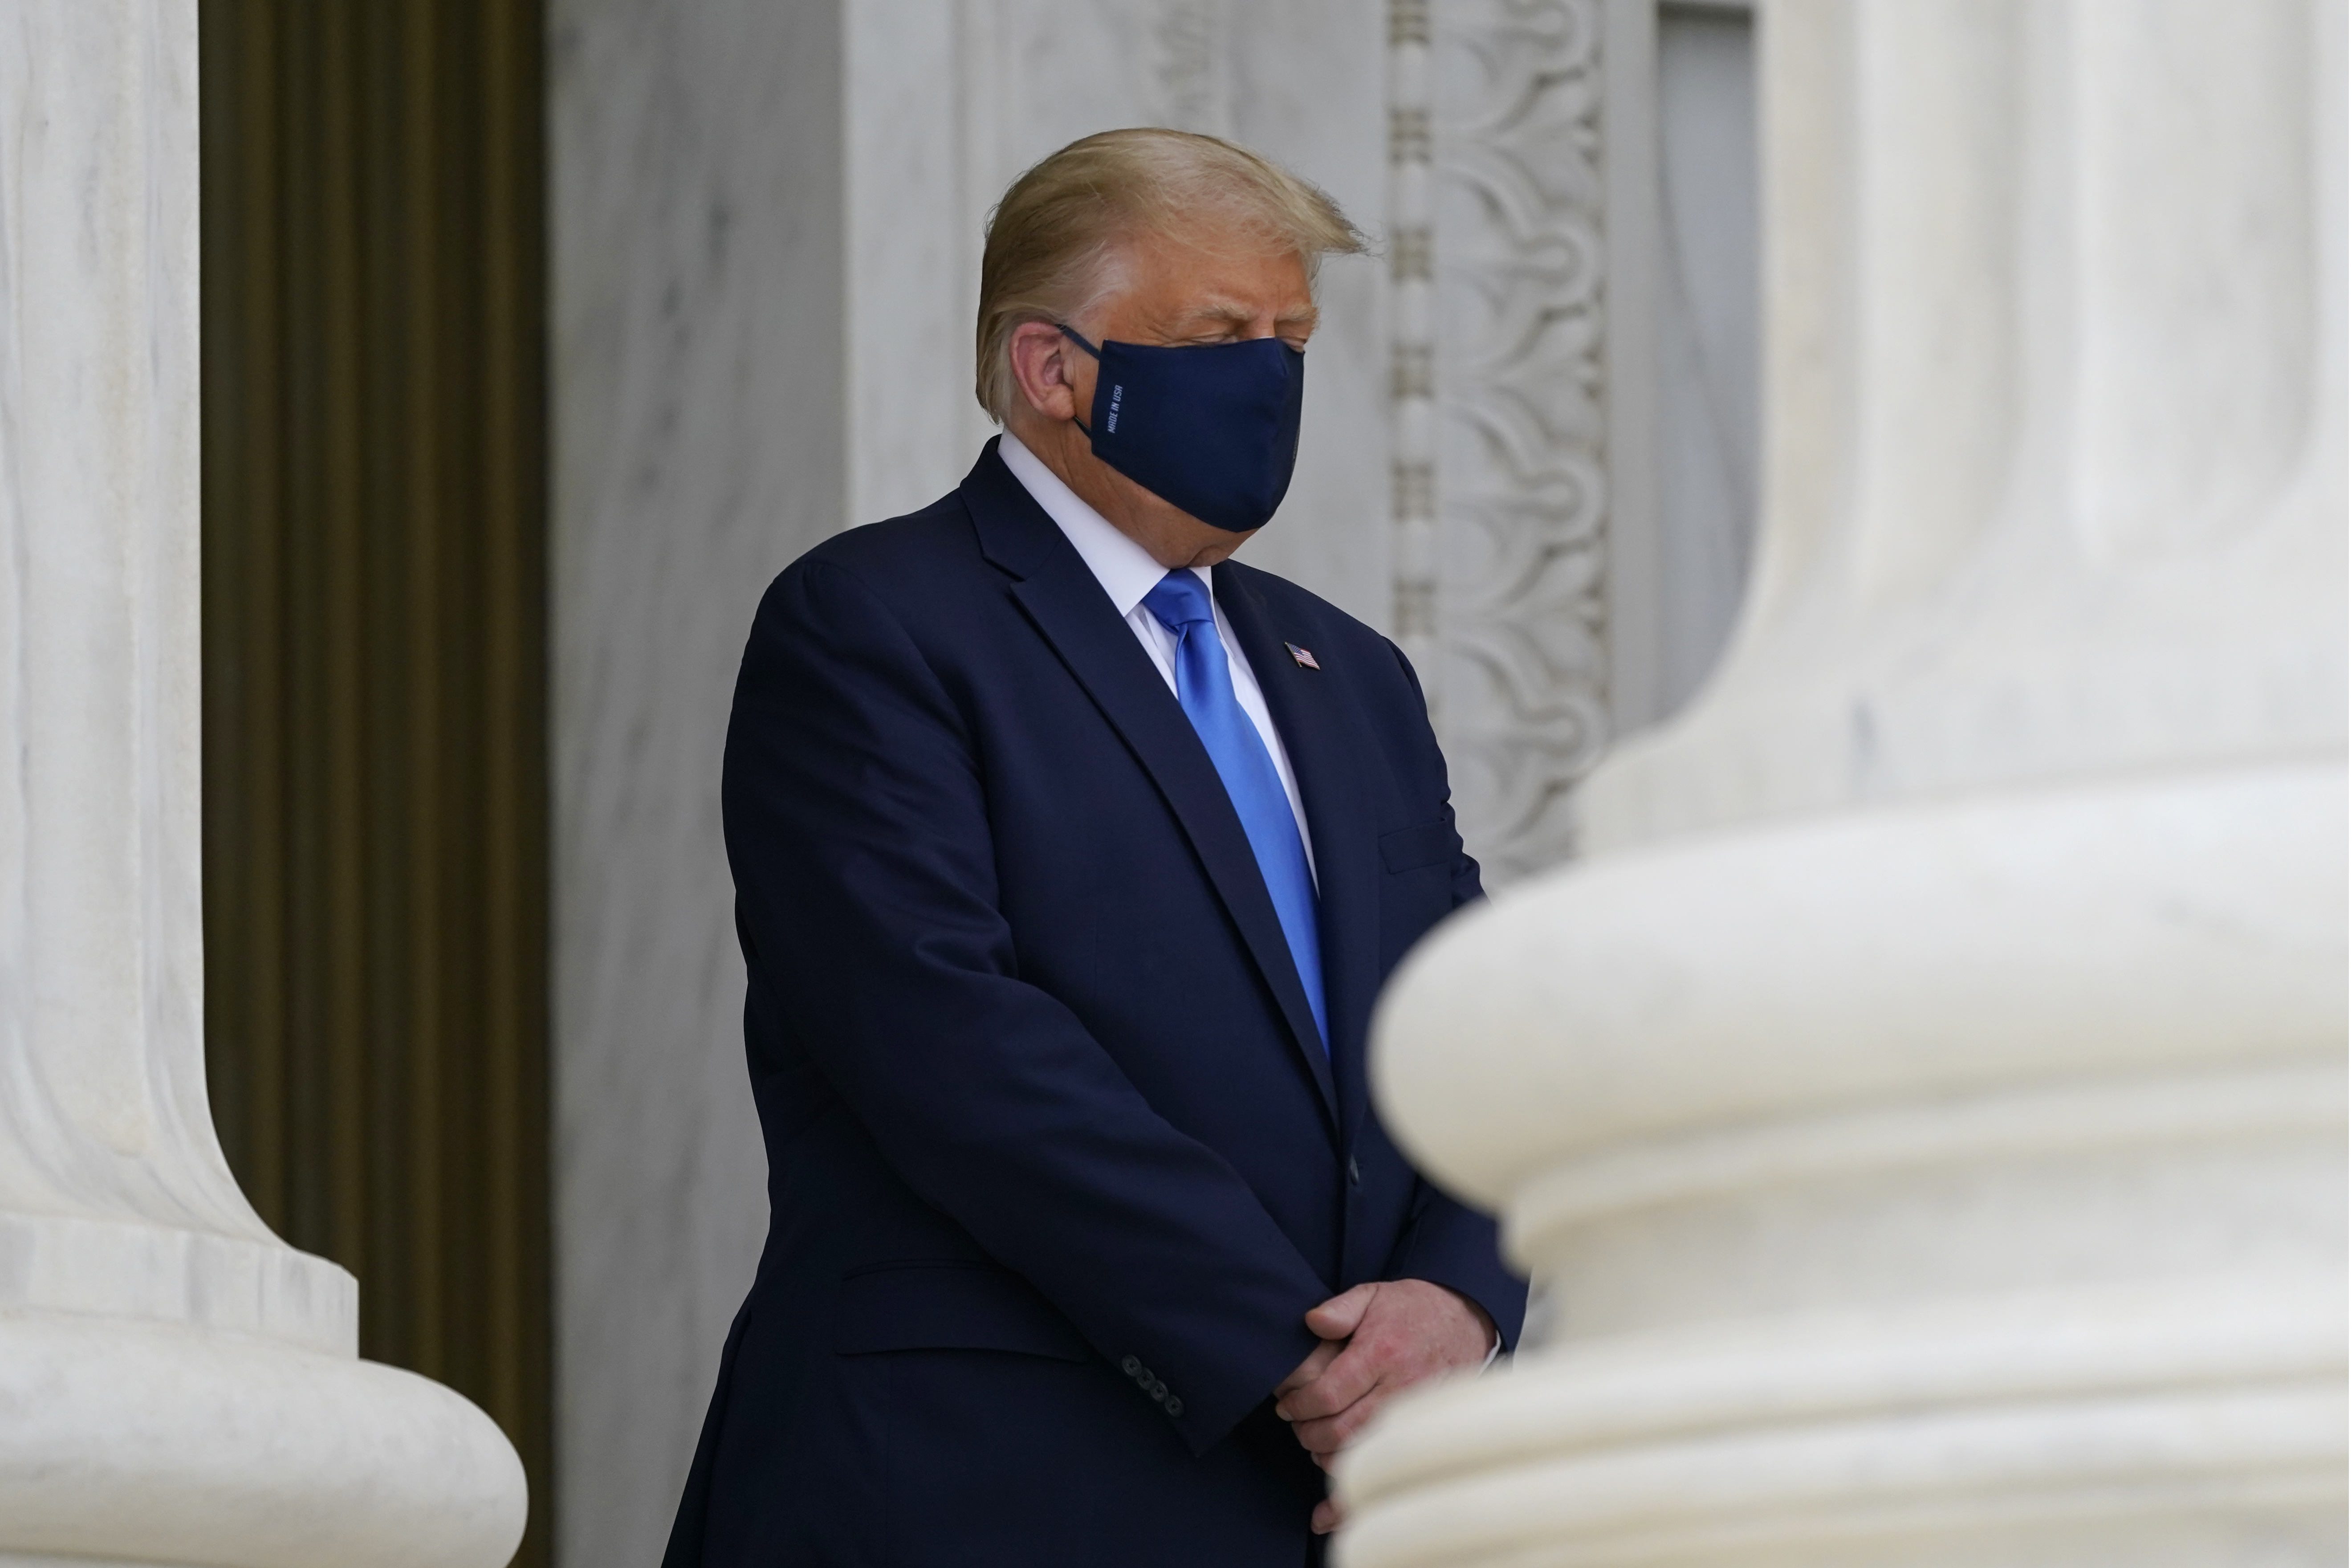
(1069, 858)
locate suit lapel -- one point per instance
(1310, 711)
(1062, 599)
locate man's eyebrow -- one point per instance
(1220, 311)
(1228, 311)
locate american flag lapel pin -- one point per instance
(1301, 658)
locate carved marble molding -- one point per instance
(1496, 354)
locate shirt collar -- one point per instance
(1124, 568)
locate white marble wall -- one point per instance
(698, 448)
(176, 1384)
(1707, 431)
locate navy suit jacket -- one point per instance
(1056, 1160)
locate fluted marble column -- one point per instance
(1923, 1114)
(176, 1384)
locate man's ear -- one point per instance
(1043, 365)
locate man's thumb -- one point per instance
(1337, 1318)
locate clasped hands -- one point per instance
(1377, 1339)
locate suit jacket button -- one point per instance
(1355, 1172)
(1175, 1405)
(1130, 1366)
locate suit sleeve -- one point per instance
(1444, 1241)
(857, 828)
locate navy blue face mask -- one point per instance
(1211, 429)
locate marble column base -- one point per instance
(2078, 1429)
(158, 1443)
(1949, 1185)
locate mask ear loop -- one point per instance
(1097, 353)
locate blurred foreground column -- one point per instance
(176, 1386)
(1923, 1114)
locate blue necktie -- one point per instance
(1204, 688)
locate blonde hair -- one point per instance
(1049, 238)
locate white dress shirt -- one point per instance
(1126, 572)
